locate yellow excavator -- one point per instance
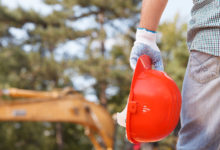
(60, 106)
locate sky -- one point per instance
(182, 7)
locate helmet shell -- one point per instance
(154, 104)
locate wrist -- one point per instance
(145, 36)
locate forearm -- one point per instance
(151, 12)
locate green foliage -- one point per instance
(75, 138)
(37, 69)
(25, 136)
(30, 70)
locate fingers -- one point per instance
(133, 62)
(142, 49)
(137, 50)
(159, 65)
(157, 61)
(121, 117)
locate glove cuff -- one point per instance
(145, 36)
(139, 28)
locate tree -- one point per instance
(39, 69)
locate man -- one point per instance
(200, 114)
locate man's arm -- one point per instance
(145, 43)
(151, 12)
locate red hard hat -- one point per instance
(154, 104)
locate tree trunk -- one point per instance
(59, 136)
(103, 98)
(103, 84)
(101, 20)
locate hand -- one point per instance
(121, 117)
(146, 44)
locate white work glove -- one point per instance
(145, 44)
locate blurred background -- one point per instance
(84, 44)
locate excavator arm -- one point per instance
(64, 106)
